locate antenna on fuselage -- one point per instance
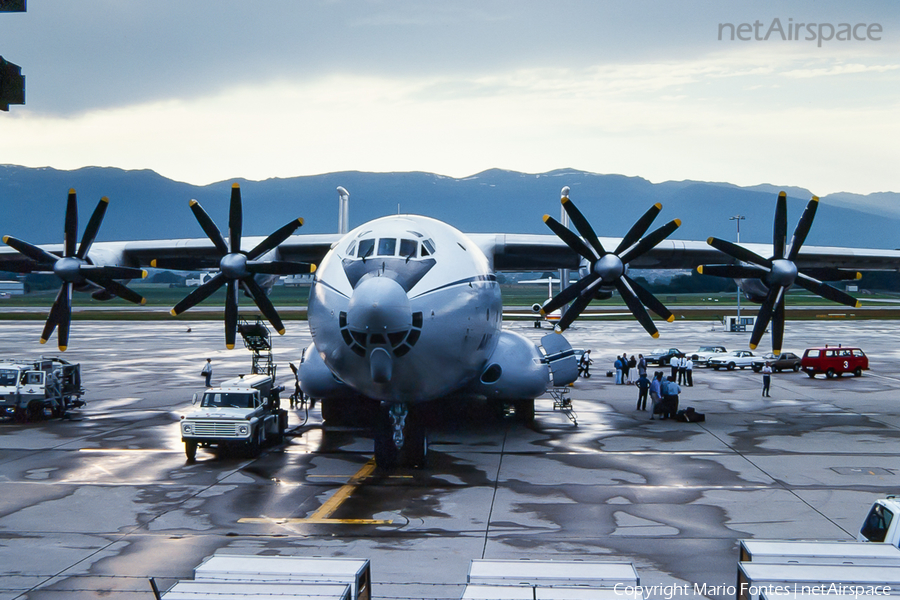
(343, 210)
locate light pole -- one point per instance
(737, 219)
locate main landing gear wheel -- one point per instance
(400, 439)
(525, 411)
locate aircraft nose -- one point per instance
(379, 305)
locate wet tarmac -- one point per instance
(95, 505)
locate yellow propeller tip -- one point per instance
(193, 202)
(782, 194)
(71, 190)
(144, 274)
(858, 275)
(312, 268)
(564, 199)
(281, 331)
(173, 313)
(153, 263)
(62, 348)
(5, 238)
(43, 341)
(776, 352)
(235, 185)
(300, 220)
(543, 314)
(143, 301)
(105, 200)
(670, 319)
(678, 222)
(700, 269)
(655, 334)
(229, 346)
(658, 205)
(753, 346)
(546, 218)
(814, 199)
(709, 240)
(858, 304)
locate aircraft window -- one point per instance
(408, 248)
(351, 251)
(8, 377)
(366, 248)
(387, 246)
(229, 400)
(427, 247)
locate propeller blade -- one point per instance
(275, 239)
(94, 272)
(779, 232)
(733, 271)
(187, 263)
(778, 327)
(765, 315)
(209, 228)
(231, 313)
(235, 219)
(116, 288)
(568, 294)
(649, 300)
(582, 225)
(638, 229)
(71, 231)
(649, 242)
(60, 315)
(572, 241)
(636, 308)
(200, 294)
(829, 274)
(264, 304)
(826, 291)
(90, 232)
(574, 311)
(31, 251)
(739, 252)
(279, 267)
(803, 226)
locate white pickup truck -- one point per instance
(882, 524)
(243, 412)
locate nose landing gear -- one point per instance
(400, 437)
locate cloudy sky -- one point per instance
(207, 90)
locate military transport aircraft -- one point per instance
(405, 310)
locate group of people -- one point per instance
(627, 368)
(663, 394)
(683, 369)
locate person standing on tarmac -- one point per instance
(688, 371)
(207, 371)
(767, 379)
(643, 386)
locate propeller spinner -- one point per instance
(236, 267)
(76, 271)
(780, 272)
(607, 269)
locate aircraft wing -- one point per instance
(523, 252)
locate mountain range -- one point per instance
(146, 205)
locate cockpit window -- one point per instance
(427, 247)
(366, 248)
(387, 247)
(408, 248)
(351, 251)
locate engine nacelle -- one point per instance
(515, 370)
(317, 380)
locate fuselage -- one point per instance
(405, 309)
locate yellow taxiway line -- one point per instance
(326, 510)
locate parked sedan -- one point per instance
(786, 361)
(662, 356)
(733, 360)
(702, 355)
